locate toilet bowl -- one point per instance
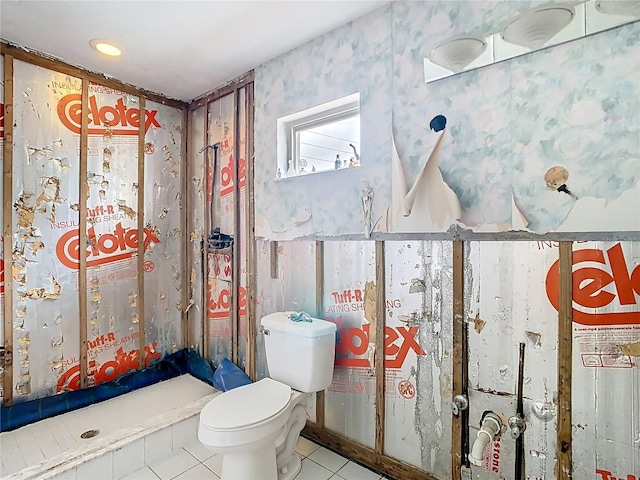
(255, 427)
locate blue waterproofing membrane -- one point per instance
(228, 376)
(174, 365)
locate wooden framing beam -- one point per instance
(379, 346)
(320, 314)
(251, 257)
(388, 466)
(7, 212)
(185, 263)
(457, 433)
(82, 221)
(140, 259)
(207, 228)
(58, 65)
(565, 351)
(236, 256)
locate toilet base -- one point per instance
(258, 464)
(291, 469)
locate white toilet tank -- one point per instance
(299, 354)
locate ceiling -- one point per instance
(181, 49)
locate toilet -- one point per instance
(256, 427)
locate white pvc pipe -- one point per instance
(488, 430)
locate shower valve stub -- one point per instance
(459, 404)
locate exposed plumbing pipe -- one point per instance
(516, 423)
(489, 430)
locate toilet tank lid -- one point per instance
(282, 322)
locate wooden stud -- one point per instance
(59, 66)
(390, 467)
(273, 259)
(251, 260)
(7, 212)
(457, 433)
(236, 257)
(222, 91)
(82, 227)
(565, 351)
(185, 263)
(141, 186)
(208, 209)
(379, 345)
(320, 314)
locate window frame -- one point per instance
(291, 126)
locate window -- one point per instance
(320, 139)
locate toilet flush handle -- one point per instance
(264, 331)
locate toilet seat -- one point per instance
(246, 406)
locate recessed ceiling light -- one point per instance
(105, 47)
(534, 28)
(456, 53)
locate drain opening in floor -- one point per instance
(90, 434)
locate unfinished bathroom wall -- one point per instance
(112, 221)
(196, 307)
(44, 268)
(418, 354)
(606, 349)
(506, 304)
(243, 236)
(221, 202)
(2, 357)
(163, 215)
(292, 287)
(349, 301)
(219, 124)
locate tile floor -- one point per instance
(195, 462)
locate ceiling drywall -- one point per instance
(181, 49)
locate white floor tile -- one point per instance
(100, 468)
(175, 465)
(199, 472)
(306, 447)
(353, 471)
(143, 474)
(328, 459)
(199, 451)
(214, 464)
(336, 477)
(312, 471)
(128, 459)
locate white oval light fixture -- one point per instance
(457, 52)
(534, 28)
(619, 7)
(105, 47)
